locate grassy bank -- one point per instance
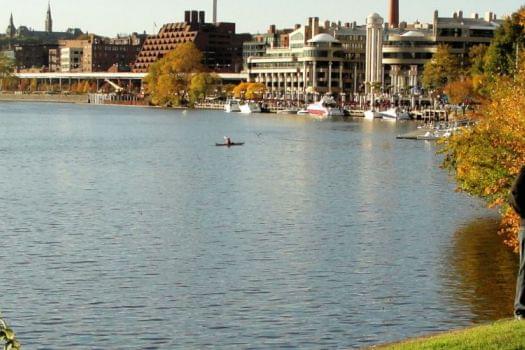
(502, 335)
(53, 98)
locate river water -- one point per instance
(126, 228)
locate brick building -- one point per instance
(221, 46)
(93, 53)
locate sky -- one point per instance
(111, 17)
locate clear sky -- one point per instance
(109, 17)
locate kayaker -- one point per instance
(517, 201)
(227, 140)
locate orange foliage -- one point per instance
(488, 157)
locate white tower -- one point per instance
(374, 51)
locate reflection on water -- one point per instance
(482, 271)
(128, 229)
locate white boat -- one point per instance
(395, 114)
(232, 106)
(372, 114)
(250, 107)
(288, 111)
(325, 108)
(303, 112)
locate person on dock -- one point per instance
(517, 201)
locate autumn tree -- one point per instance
(249, 91)
(487, 157)
(240, 90)
(169, 80)
(461, 91)
(441, 69)
(255, 91)
(6, 71)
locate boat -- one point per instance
(250, 107)
(288, 111)
(372, 114)
(229, 145)
(303, 112)
(430, 136)
(395, 114)
(232, 106)
(325, 108)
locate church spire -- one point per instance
(11, 29)
(49, 19)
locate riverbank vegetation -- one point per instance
(502, 335)
(6, 72)
(8, 337)
(179, 78)
(486, 158)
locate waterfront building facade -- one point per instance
(317, 60)
(98, 54)
(221, 46)
(409, 47)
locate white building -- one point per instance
(374, 52)
(71, 59)
(314, 63)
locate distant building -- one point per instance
(316, 60)
(390, 56)
(93, 53)
(221, 46)
(30, 48)
(409, 47)
(24, 33)
(273, 38)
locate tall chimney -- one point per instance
(187, 16)
(393, 15)
(194, 17)
(202, 17)
(214, 11)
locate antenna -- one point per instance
(214, 11)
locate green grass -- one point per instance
(502, 335)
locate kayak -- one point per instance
(230, 145)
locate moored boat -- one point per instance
(372, 114)
(325, 108)
(232, 106)
(250, 107)
(395, 114)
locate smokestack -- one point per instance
(393, 17)
(202, 17)
(187, 16)
(214, 11)
(194, 17)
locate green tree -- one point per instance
(476, 59)
(169, 79)
(507, 42)
(202, 85)
(441, 69)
